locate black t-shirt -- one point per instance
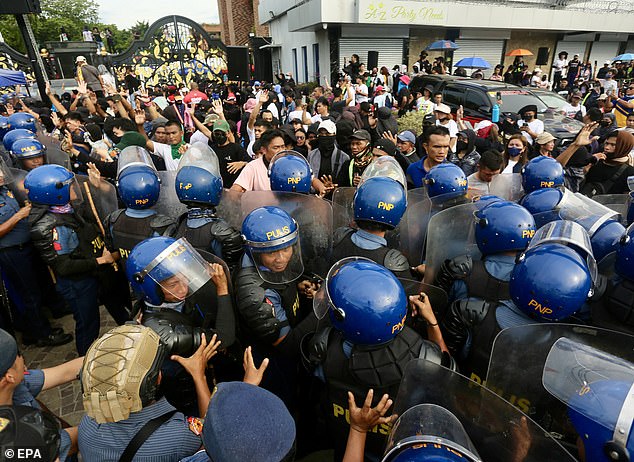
(132, 83)
(602, 173)
(231, 152)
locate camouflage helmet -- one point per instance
(120, 372)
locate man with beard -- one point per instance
(327, 160)
(361, 151)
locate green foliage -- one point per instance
(412, 121)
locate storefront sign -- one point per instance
(401, 12)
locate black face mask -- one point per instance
(219, 137)
(461, 146)
(326, 143)
(528, 117)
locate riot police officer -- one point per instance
(369, 344)
(289, 171)
(477, 288)
(21, 120)
(18, 262)
(69, 244)
(446, 186)
(199, 186)
(30, 153)
(267, 294)
(14, 135)
(379, 204)
(542, 172)
(138, 186)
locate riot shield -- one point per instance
(229, 208)
(102, 194)
(385, 166)
(616, 202)
(54, 155)
(314, 217)
(507, 186)
(168, 203)
(497, 430)
(517, 364)
(450, 233)
(413, 227)
(581, 209)
(211, 258)
(17, 185)
(342, 200)
(48, 140)
(437, 296)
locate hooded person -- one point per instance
(465, 155)
(609, 176)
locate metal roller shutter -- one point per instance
(603, 51)
(390, 50)
(490, 50)
(573, 48)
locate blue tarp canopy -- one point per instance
(9, 78)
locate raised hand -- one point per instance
(367, 417)
(252, 374)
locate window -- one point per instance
(295, 73)
(316, 61)
(305, 62)
(475, 100)
(453, 95)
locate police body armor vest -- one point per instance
(620, 304)
(128, 231)
(200, 238)
(346, 248)
(290, 300)
(379, 367)
(481, 284)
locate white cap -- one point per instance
(80, 58)
(607, 62)
(329, 126)
(443, 108)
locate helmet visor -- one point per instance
(178, 271)
(133, 155)
(385, 166)
(202, 156)
(585, 211)
(278, 265)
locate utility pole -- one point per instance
(34, 55)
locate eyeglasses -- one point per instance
(300, 138)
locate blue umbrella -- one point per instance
(624, 57)
(442, 45)
(474, 63)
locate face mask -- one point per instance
(528, 117)
(326, 143)
(514, 151)
(219, 137)
(461, 146)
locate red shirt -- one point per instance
(195, 97)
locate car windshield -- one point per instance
(514, 100)
(552, 100)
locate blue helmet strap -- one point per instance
(622, 429)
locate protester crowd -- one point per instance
(275, 255)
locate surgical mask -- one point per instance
(326, 143)
(461, 146)
(514, 151)
(219, 137)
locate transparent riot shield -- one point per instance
(314, 217)
(616, 202)
(55, 155)
(342, 200)
(517, 365)
(17, 185)
(437, 296)
(134, 155)
(385, 166)
(496, 430)
(450, 233)
(413, 226)
(48, 140)
(100, 193)
(581, 209)
(230, 208)
(168, 203)
(211, 258)
(507, 186)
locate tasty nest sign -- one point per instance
(401, 12)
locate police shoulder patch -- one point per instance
(195, 425)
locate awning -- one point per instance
(9, 78)
(271, 45)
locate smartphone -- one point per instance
(525, 124)
(215, 96)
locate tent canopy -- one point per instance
(9, 78)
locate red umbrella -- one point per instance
(520, 52)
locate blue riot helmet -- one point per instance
(28, 148)
(599, 221)
(366, 302)
(138, 182)
(22, 120)
(198, 179)
(542, 204)
(51, 185)
(624, 264)
(487, 199)
(289, 171)
(428, 432)
(542, 172)
(380, 200)
(550, 282)
(15, 135)
(502, 227)
(163, 269)
(4, 126)
(447, 180)
(272, 242)
(630, 208)
(598, 389)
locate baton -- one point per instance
(96, 214)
